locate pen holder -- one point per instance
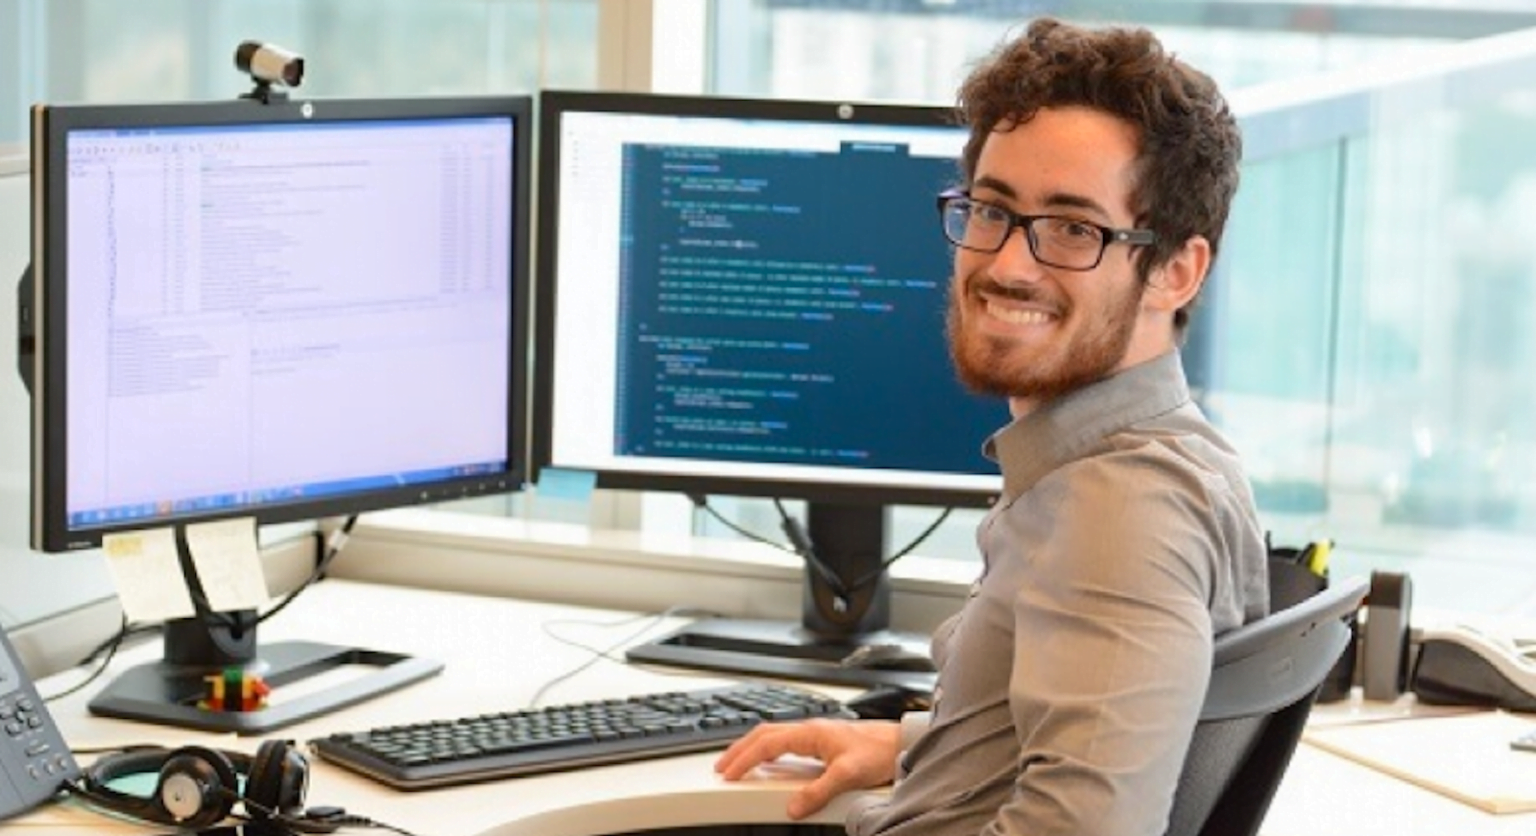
(1291, 581)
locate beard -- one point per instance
(995, 365)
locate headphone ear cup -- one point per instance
(278, 780)
(198, 787)
(101, 774)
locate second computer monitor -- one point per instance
(748, 297)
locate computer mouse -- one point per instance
(889, 702)
(888, 657)
(1462, 665)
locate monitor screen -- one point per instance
(284, 311)
(748, 297)
(280, 310)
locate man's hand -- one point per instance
(858, 754)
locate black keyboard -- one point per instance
(535, 740)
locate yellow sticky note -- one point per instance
(147, 574)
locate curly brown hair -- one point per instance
(1189, 146)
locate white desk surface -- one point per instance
(499, 654)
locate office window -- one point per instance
(919, 50)
(104, 51)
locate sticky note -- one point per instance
(228, 563)
(147, 574)
(560, 483)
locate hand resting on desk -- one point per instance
(858, 754)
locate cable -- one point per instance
(333, 547)
(110, 646)
(121, 637)
(802, 546)
(679, 611)
(702, 503)
(807, 551)
(908, 549)
(323, 819)
(651, 619)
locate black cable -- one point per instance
(802, 546)
(333, 547)
(916, 541)
(839, 587)
(121, 637)
(324, 819)
(702, 503)
(203, 611)
(799, 544)
(110, 645)
(807, 551)
(117, 750)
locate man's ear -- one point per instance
(1172, 285)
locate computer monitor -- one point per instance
(279, 311)
(748, 297)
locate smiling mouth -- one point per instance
(1017, 316)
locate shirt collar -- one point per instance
(1060, 429)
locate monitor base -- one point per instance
(783, 650)
(159, 692)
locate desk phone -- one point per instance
(35, 763)
(1462, 665)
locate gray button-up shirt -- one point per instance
(1070, 682)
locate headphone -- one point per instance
(197, 787)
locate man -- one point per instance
(1098, 176)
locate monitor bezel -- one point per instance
(553, 105)
(52, 124)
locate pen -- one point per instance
(1317, 561)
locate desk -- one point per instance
(498, 655)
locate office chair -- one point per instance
(1264, 679)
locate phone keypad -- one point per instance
(35, 762)
(24, 722)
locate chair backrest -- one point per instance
(1264, 678)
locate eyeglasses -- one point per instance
(1054, 240)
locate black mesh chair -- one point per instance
(1265, 678)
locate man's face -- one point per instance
(1028, 331)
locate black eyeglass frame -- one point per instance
(1107, 234)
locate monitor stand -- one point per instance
(222, 645)
(850, 540)
(167, 692)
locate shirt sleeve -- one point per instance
(1112, 648)
(913, 725)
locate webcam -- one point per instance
(269, 64)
